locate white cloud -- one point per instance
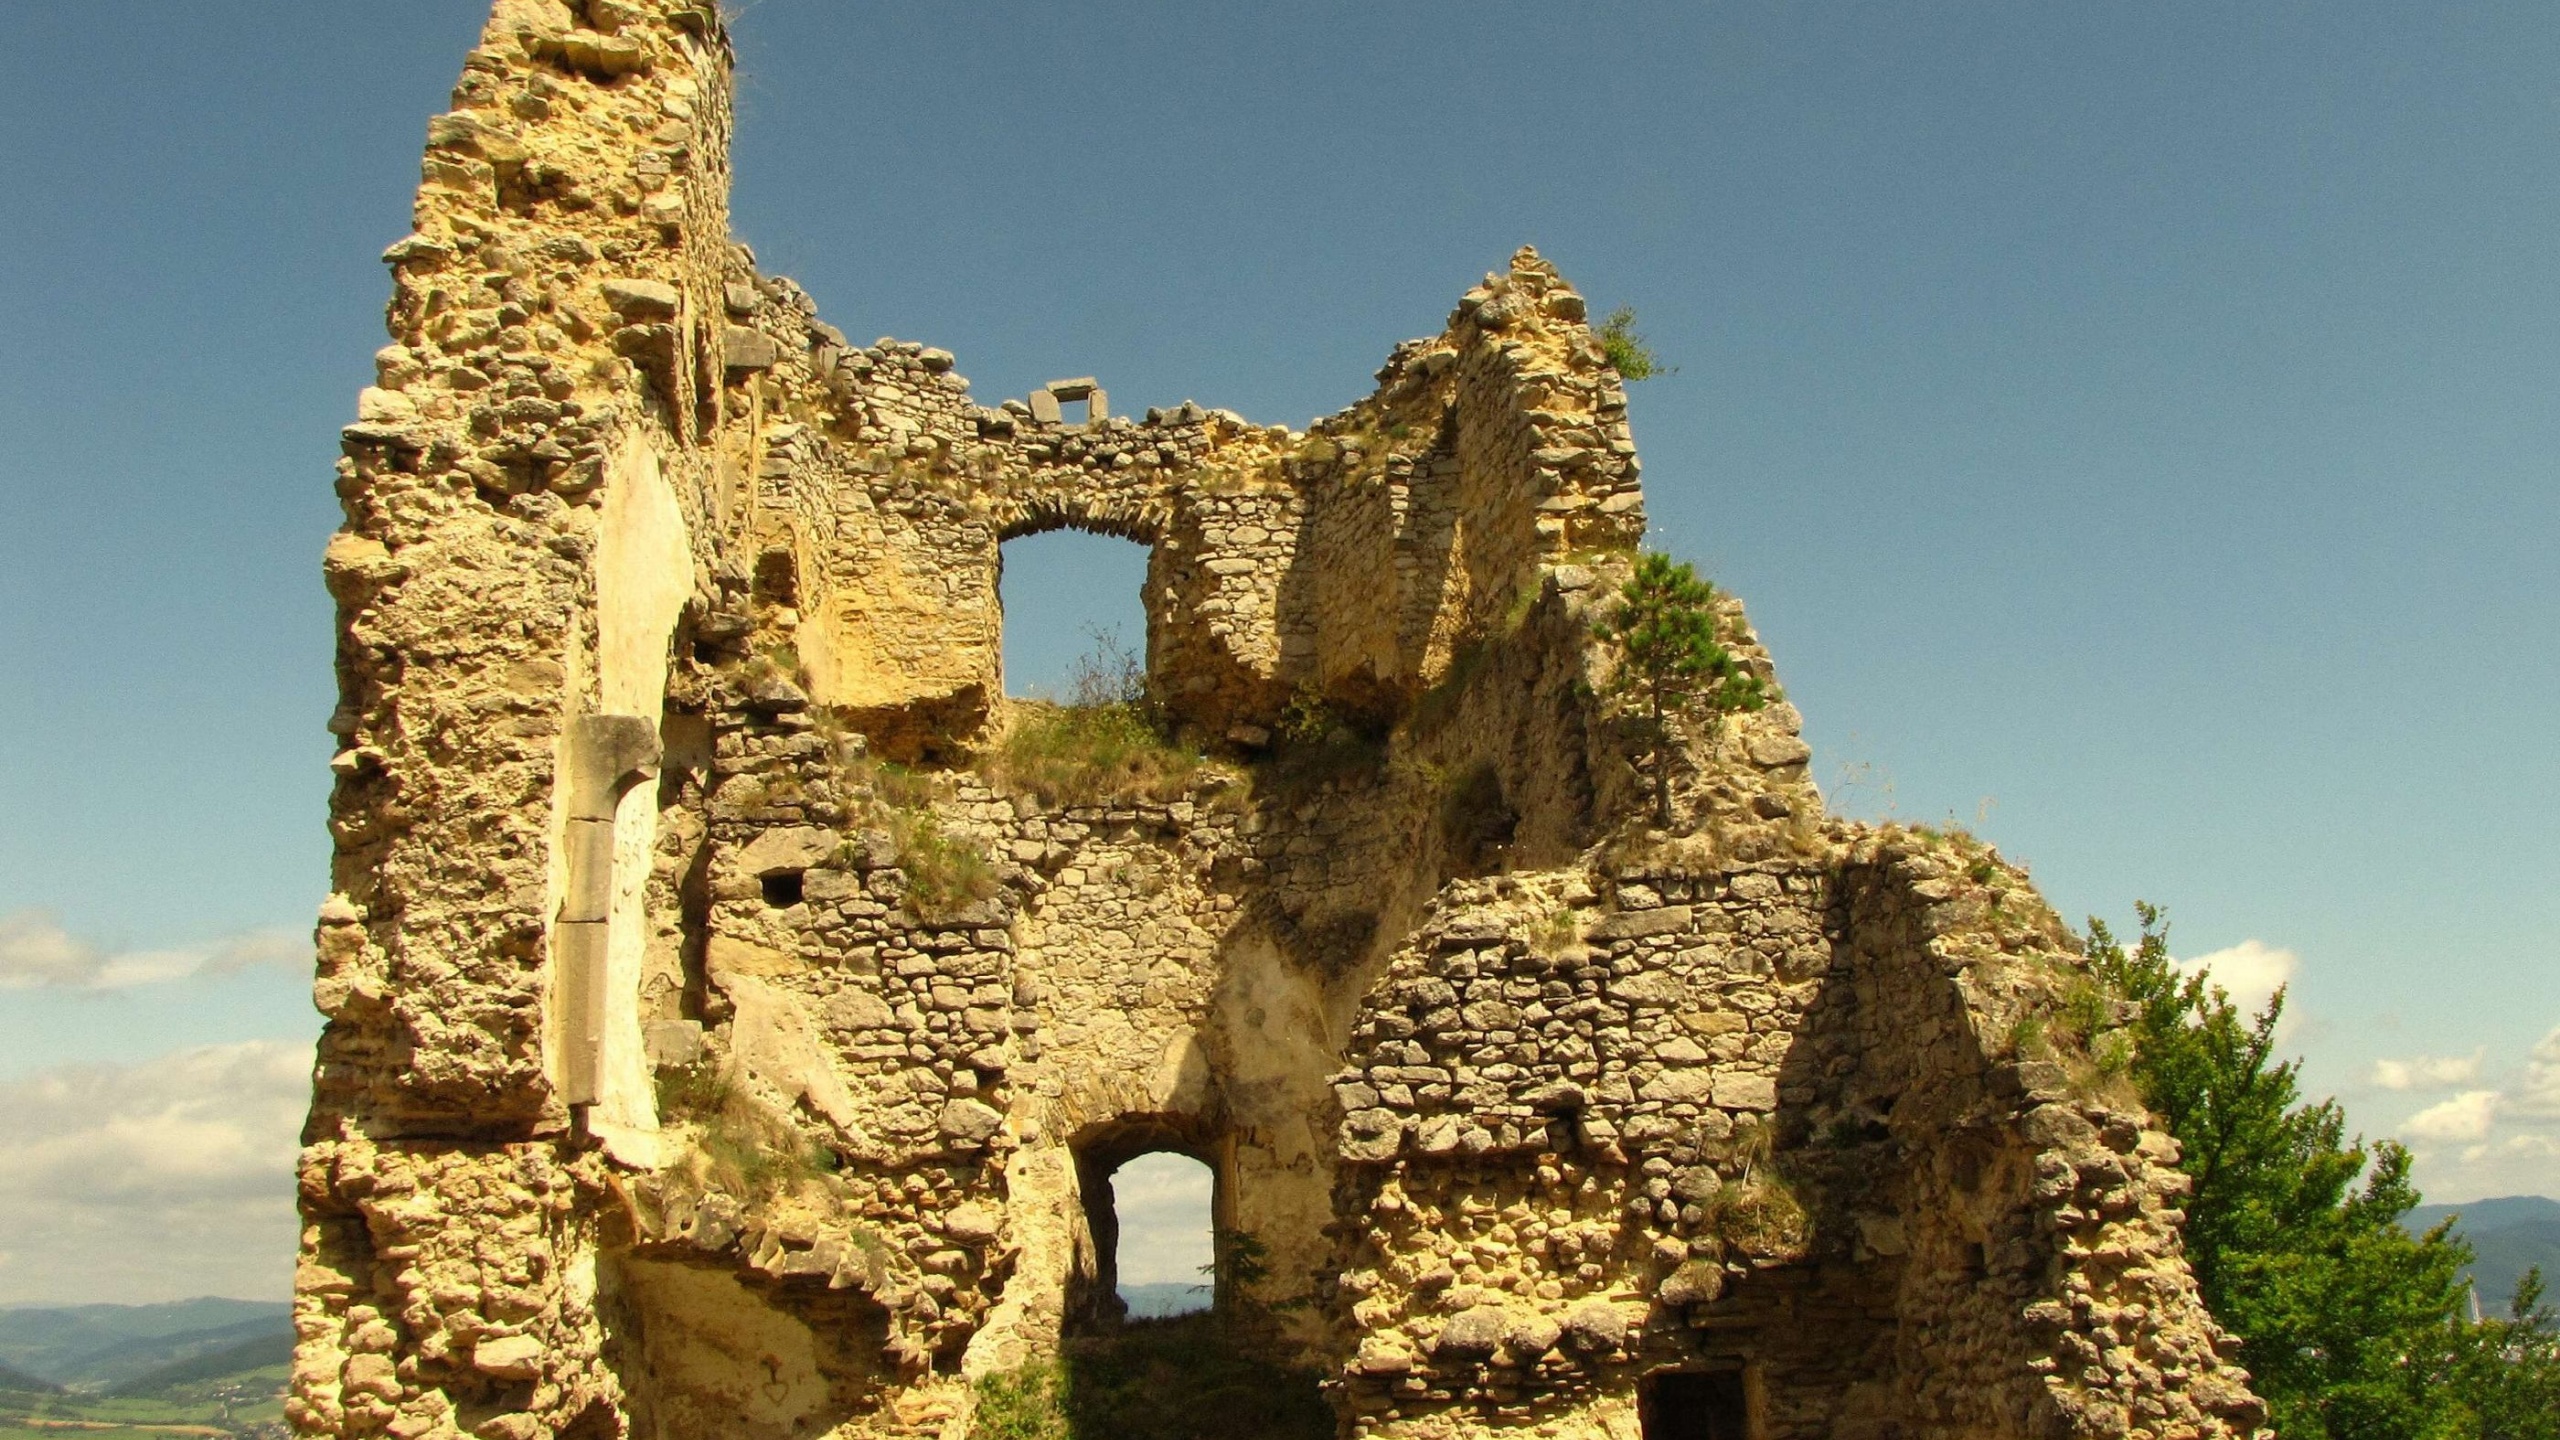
(2537, 1095)
(2252, 971)
(37, 953)
(2466, 1116)
(2427, 1072)
(35, 950)
(1162, 1201)
(2504, 1141)
(155, 1181)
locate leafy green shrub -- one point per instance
(1025, 1404)
(2078, 1030)
(2351, 1327)
(1318, 745)
(1307, 719)
(1627, 352)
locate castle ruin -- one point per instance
(718, 1046)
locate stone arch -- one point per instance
(1144, 519)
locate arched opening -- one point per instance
(1075, 625)
(1151, 1345)
(1166, 1249)
(1152, 1204)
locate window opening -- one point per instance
(1166, 1243)
(1049, 403)
(785, 888)
(1694, 1405)
(1073, 616)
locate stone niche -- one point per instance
(724, 1040)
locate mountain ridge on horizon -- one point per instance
(100, 1346)
(2508, 1234)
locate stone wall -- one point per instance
(1770, 1116)
(719, 1044)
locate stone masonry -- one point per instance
(663, 1094)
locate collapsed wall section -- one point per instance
(1765, 1120)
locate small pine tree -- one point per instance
(1670, 662)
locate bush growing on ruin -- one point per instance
(2080, 1032)
(1089, 755)
(1671, 663)
(2352, 1327)
(738, 1145)
(1306, 719)
(944, 875)
(1320, 745)
(1627, 352)
(1106, 745)
(1025, 1404)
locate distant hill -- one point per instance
(14, 1379)
(2508, 1236)
(229, 1362)
(96, 1347)
(1164, 1298)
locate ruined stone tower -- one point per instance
(719, 1045)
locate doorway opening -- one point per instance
(1152, 1203)
(1694, 1405)
(1159, 1255)
(1075, 625)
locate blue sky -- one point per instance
(2133, 427)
